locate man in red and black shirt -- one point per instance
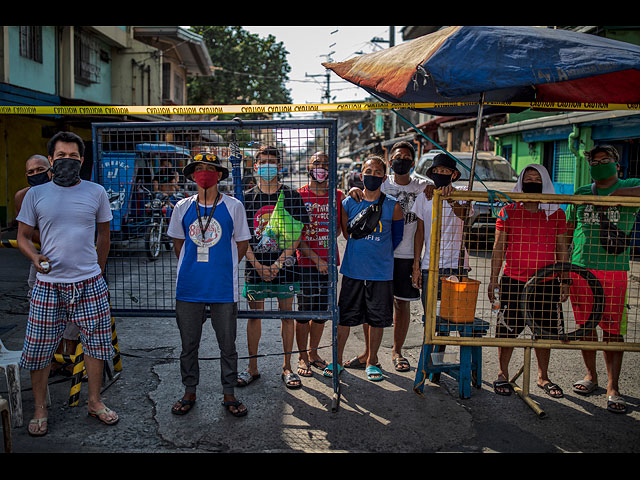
(529, 236)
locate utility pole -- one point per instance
(391, 42)
(327, 92)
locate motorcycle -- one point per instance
(158, 213)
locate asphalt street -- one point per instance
(380, 417)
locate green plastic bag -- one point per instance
(282, 227)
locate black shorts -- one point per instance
(366, 301)
(314, 292)
(542, 307)
(403, 288)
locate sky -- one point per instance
(309, 46)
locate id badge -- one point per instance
(202, 254)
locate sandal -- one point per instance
(245, 378)
(355, 363)
(588, 387)
(550, 387)
(290, 380)
(374, 373)
(104, 411)
(235, 403)
(38, 421)
(401, 364)
(502, 384)
(180, 410)
(319, 364)
(328, 372)
(305, 371)
(614, 402)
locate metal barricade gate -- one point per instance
(140, 166)
(571, 334)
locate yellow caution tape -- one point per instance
(291, 108)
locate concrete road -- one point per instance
(373, 417)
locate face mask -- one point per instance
(206, 178)
(38, 178)
(401, 166)
(531, 187)
(440, 179)
(66, 171)
(371, 182)
(319, 174)
(267, 172)
(603, 171)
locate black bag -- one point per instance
(612, 239)
(367, 220)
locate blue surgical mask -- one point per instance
(267, 172)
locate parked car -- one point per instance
(353, 177)
(495, 172)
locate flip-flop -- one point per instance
(550, 387)
(319, 364)
(589, 387)
(374, 373)
(245, 378)
(235, 403)
(328, 372)
(39, 422)
(355, 363)
(305, 372)
(616, 400)
(289, 378)
(502, 384)
(97, 413)
(183, 403)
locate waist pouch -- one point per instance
(367, 220)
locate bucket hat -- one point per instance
(444, 160)
(205, 159)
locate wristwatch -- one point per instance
(278, 264)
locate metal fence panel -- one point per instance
(514, 286)
(140, 166)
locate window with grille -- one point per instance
(31, 42)
(86, 56)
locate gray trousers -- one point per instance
(190, 318)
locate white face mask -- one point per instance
(320, 175)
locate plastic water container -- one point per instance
(440, 358)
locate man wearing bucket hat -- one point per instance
(444, 173)
(529, 236)
(210, 237)
(608, 263)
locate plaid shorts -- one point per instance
(52, 305)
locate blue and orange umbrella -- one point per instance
(498, 64)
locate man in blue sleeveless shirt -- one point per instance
(366, 295)
(210, 237)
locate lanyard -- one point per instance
(213, 209)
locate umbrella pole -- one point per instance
(466, 227)
(476, 141)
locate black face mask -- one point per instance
(531, 187)
(38, 178)
(440, 179)
(371, 182)
(66, 171)
(401, 166)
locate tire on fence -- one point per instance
(597, 307)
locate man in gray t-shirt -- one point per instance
(69, 284)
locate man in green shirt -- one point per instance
(609, 266)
